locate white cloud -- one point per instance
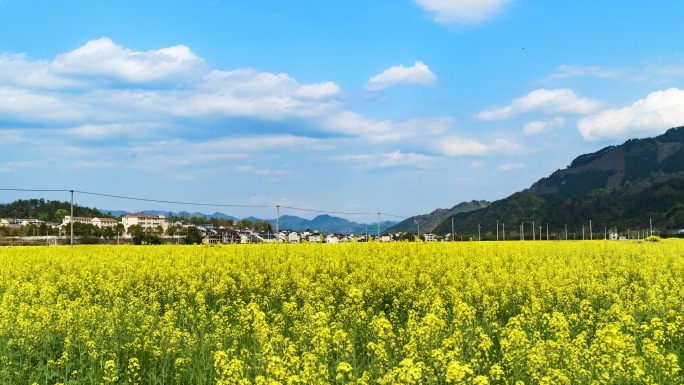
(10, 137)
(93, 85)
(26, 104)
(353, 124)
(15, 70)
(247, 81)
(665, 70)
(13, 166)
(390, 159)
(510, 167)
(354, 158)
(552, 102)
(542, 126)
(566, 71)
(317, 91)
(463, 11)
(247, 92)
(397, 158)
(102, 58)
(657, 112)
(101, 131)
(457, 146)
(418, 74)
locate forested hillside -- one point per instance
(630, 186)
(46, 210)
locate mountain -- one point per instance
(330, 224)
(45, 210)
(428, 222)
(631, 186)
(639, 163)
(288, 222)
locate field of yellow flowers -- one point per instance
(405, 313)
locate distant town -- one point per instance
(157, 229)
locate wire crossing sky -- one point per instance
(403, 105)
(192, 204)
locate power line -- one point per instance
(324, 211)
(31, 190)
(172, 202)
(201, 203)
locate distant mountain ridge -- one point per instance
(325, 222)
(628, 187)
(330, 224)
(638, 163)
(428, 222)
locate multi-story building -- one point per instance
(99, 222)
(144, 220)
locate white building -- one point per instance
(332, 239)
(293, 237)
(99, 222)
(144, 220)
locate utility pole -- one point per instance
(72, 218)
(478, 233)
(503, 230)
(566, 231)
(452, 229)
(497, 231)
(533, 231)
(378, 227)
(277, 223)
(582, 232)
(650, 225)
(540, 227)
(591, 234)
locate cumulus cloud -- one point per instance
(103, 58)
(510, 167)
(649, 116)
(551, 102)
(351, 123)
(15, 71)
(26, 104)
(102, 81)
(458, 146)
(566, 71)
(463, 11)
(418, 74)
(389, 159)
(542, 126)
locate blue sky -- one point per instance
(398, 106)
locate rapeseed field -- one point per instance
(403, 313)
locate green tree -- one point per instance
(135, 230)
(119, 229)
(245, 224)
(264, 225)
(146, 239)
(60, 214)
(107, 232)
(194, 236)
(171, 231)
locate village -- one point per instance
(176, 231)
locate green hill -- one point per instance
(428, 222)
(627, 187)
